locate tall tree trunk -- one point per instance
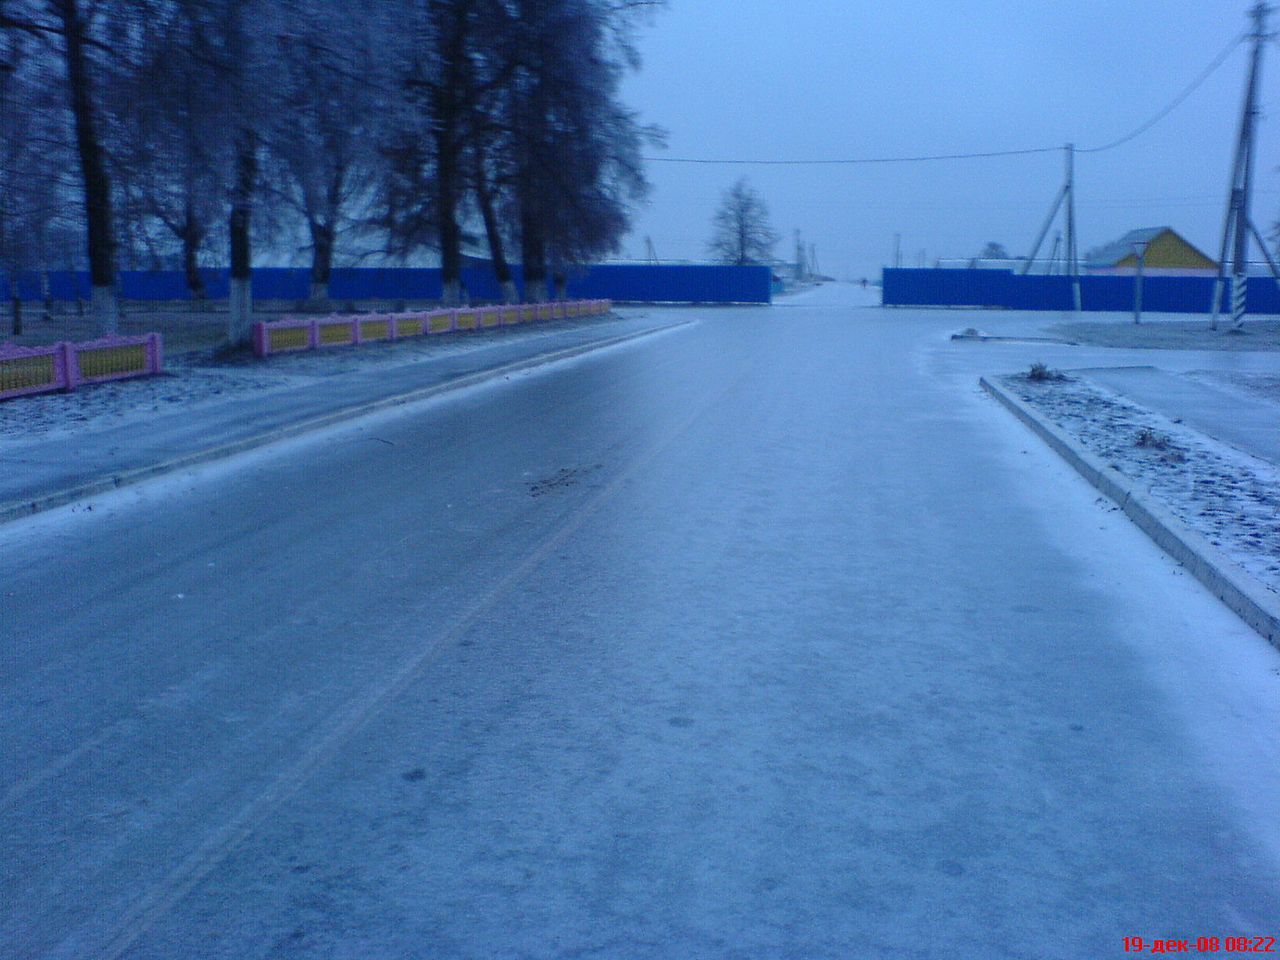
(97, 183)
(240, 315)
(447, 219)
(447, 111)
(492, 232)
(322, 241)
(533, 251)
(191, 237)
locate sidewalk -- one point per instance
(1247, 424)
(51, 471)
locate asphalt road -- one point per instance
(770, 636)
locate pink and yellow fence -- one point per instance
(293, 333)
(65, 366)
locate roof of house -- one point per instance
(1113, 253)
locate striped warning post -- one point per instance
(1239, 287)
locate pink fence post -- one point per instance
(313, 335)
(61, 376)
(71, 364)
(261, 340)
(393, 327)
(155, 353)
(355, 331)
(453, 321)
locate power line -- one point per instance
(1177, 101)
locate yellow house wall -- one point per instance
(1170, 250)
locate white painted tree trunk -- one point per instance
(319, 292)
(536, 291)
(105, 310)
(240, 314)
(45, 294)
(509, 292)
(453, 293)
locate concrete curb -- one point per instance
(25, 508)
(1247, 598)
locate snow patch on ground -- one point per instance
(195, 380)
(1229, 497)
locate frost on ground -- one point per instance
(1252, 385)
(1229, 497)
(1160, 334)
(197, 379)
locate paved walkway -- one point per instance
(32, 472)
(1248, 424)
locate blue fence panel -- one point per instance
(946, 288)
(63, 285)
(676, 283)
(1003, 289)
(1039, 293)
(1103, 293)
(1261, 296)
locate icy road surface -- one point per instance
(771, 636)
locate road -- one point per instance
(770, 636)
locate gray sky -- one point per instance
(758, 79)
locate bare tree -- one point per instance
(76, 32)
(170, 151)
(576, 150)
(741, 233)
(322, 148)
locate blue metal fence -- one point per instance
(1003, 289)
(643, 283)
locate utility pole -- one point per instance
(650, 252)
(1238, 226)
(1073, 260)
(1066, 195)
(897, 250)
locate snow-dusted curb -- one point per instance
(1252, 602)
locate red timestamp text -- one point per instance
(1201, 945)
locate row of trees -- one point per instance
(157, 131)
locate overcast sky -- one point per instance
(819, 79)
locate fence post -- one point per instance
(313, 336)
(155, 353)
(261, 341)
(355, 331)
(453, 321)
(70, 364)
(393, 329)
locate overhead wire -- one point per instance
(1177, 101)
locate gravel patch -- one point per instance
(1229, 497)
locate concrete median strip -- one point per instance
(15, 510)
(1251, 601)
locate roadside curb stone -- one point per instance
(1247, 598)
